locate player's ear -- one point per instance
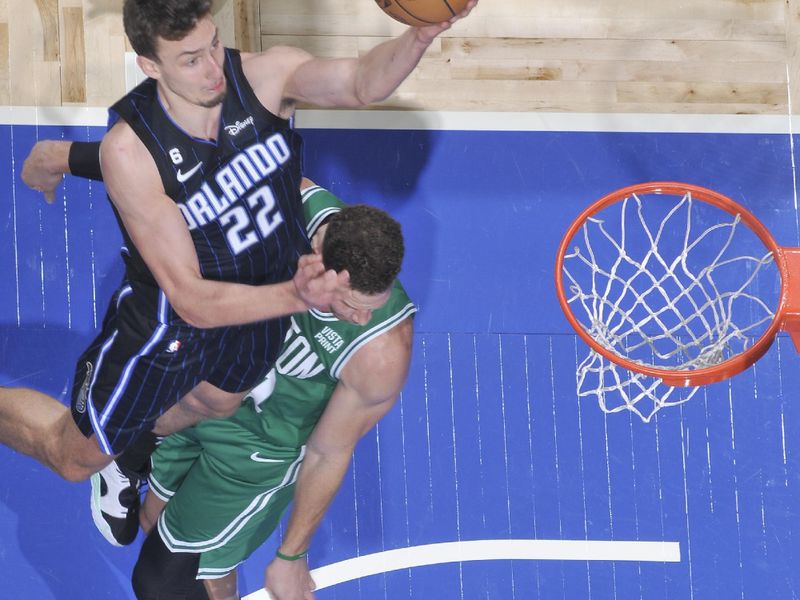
(148, 66)
(317, 238)
(316, 246)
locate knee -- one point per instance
(223, 412)
(73, 471)
(164, 575)
(72, 455)
(212, 408)
(68, 464)
(143, 586)
(145, 578)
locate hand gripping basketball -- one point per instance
(421, 13)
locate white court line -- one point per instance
(451, 120)
(434, 554)
(541, 121)
(443, 120)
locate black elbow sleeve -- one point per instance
(84, 160)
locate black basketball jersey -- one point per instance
(239, 195)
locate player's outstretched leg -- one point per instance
(116, 489)
(41, 427)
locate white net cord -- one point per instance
(661, 295)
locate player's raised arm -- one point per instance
(341, 82)
(367, 389)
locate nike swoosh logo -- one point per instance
(254, 456)
(184, 176)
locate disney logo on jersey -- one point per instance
(233, 130)
(242, 177)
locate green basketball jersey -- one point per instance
(228, 481)
(293, 396)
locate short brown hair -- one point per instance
(147, 20)
(368, 243)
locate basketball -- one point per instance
(419, 13)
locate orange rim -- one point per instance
(676, 377)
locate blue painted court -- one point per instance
(489, 441)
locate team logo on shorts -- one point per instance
(174, 346)
(80, 402)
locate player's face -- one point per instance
(357, 307)
(192, 67)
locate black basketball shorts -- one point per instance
(141, 364)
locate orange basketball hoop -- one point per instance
(658, 279)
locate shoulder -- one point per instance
(396, 340)
(378, 369)
(275, 54)
(120, 133)
(269, 73)
(122, 141)
(274, 62)
(121, 148)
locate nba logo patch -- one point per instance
(174, 346)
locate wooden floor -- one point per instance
(639, 56)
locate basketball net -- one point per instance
(670, 306)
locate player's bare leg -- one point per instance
(42, 427)
(224, 588)
(204, 401)
(151, 508)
